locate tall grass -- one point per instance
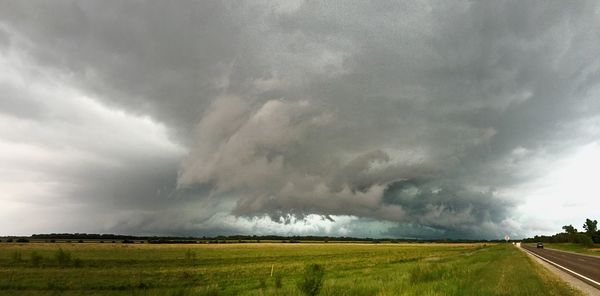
(63, 258)
(245, 269)
(190, 255)
(17, 257)
(36, 259)
(312, 280)
(278, 281)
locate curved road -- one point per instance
(586, 268)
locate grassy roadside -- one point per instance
(577, 248)
(349, 269)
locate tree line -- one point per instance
(570, 234)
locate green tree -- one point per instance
(591, 227)
(569, 229)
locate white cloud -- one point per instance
(567, 193)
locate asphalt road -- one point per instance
(585, 266)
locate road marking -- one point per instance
(575, 273)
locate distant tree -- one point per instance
(591, 227)
(569, 229)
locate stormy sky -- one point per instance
(441, 119)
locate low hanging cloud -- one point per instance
(353, 118)
(277, 160)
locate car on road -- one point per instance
(540, 245)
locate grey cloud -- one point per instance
(149, 57)
(459, 212)
(404, 113)
(462, 85)
(14, 103)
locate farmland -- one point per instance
(271, 269)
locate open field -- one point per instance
(577, 248)
(229, 269)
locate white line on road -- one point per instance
(558, 265)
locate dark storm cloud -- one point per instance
(149, 57)
(422, 114)
(457, 211)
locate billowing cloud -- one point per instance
(379, 119)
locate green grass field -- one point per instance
(231, 269)
(577, 248)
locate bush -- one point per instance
(56, 284)
(584, 240)
(22, 240)
(262, 283)
(36, 259)
(17, 257)
(211, 290)
(190, 255)
(63, 258)
(312, 280)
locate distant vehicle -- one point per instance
(540, 245)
